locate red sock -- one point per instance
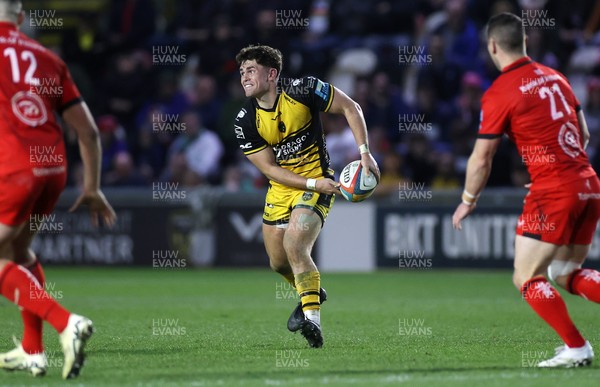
(585, 283)
(19, 286)
(549, 305)
(32, 324)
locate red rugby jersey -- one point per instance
(535, 107)
(34, 84)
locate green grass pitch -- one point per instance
(156, 327)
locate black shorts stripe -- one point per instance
(315, 209)
(325, 200)
(537, 237)
(275, 222)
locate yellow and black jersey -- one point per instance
(292, 128)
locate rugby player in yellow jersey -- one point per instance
(280, 132)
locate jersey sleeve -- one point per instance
(570, 95)
(312, 92)
(494, 117)
(248, 138)
(70, 93)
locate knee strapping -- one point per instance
(561, 268)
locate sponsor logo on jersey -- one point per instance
(568, 139)
(290, 148)
(29, 108)
(247, 145)
(239, 132)
(322, 90)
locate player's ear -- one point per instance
(494, 48)
(273, 74)
(20, 17)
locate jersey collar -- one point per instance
(516, 64)
(8, 25)
(257, 106)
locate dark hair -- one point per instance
(264, 55)
(508, 31)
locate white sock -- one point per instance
(314, 315)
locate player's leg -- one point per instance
(32, 325)
(276, 214)
(299, 239)
(27, 356)
(566, 271)
(532, 258)
(273, 239)
(78, 328)
(566, 268)
(19, 285)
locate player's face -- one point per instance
(255, 78)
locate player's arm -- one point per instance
(479, 167)
(342, 104)
(79, 118)
(585, 133)
(264, 160)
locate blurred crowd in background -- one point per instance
(161, 80)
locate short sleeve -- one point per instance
(311, 92)
(571, 97)
(493, 118)
(70, 93)
(248, 138)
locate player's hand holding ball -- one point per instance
(355, 183)
(370, 165)
(327, 186)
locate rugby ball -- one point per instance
(355, 184)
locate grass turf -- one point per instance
(228, 328)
